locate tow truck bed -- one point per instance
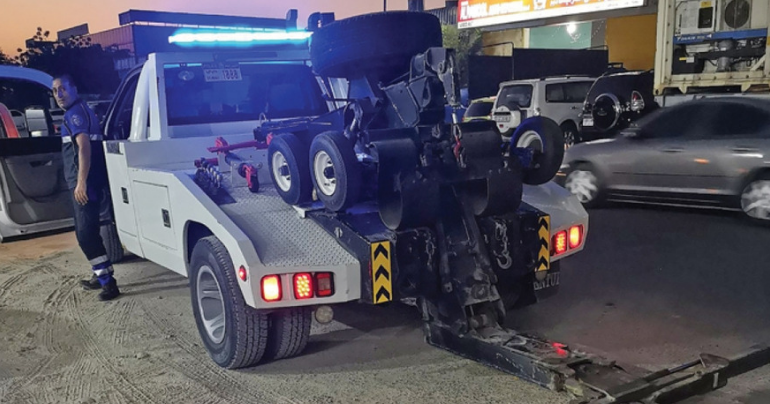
(281, 237)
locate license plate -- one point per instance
(222, 74)
(588, 121)
(502, 118)
(550, 281)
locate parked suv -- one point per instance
(557, 98)
(614, 101)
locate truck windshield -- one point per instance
(233, 92)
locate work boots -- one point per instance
(109, 291)
(91, 284)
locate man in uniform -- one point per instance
(86, 174)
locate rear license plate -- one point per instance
(588, 121)
(502, 118)
(550, 281)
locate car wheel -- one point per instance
(287, 161)
(570, 132)
(755, 200)
(336, 172)
(583, 182)
(234, 334)
(289, 332)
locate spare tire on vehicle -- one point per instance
(545, 137)
(606, 111)
(379, 44)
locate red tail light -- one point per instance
(303, 286)
(575, 236)
(637, 101)
(560, 243)
(324, 284)
(242, 274)
(271, 288)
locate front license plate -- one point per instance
(588, 121)
(550, 281)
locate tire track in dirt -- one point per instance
(12, 280)
(218, 380)
(117, 381)
(118, 318)
(43, 334)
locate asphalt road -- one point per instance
(657, 286)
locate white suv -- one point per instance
(558, 98)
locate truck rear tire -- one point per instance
(378, 43)
(289, 170)
(335, 171)
(289, 332)
(112, 244)
(545, 136)
(234, 334)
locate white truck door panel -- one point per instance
(153, 212)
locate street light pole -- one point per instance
(384, 5)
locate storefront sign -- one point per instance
(479, 13)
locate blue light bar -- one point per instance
(238, 37)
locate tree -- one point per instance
(90, 65)
(5, 59)
(465, 42)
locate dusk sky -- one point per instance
(18, 23)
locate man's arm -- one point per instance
(84, 165)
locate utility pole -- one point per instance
(384, 5)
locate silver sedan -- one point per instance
(711, 152)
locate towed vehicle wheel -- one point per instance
(287, 160)
(755, 200)
(584, 184)
(336, 172)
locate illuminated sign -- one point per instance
(480, 13)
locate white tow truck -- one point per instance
(200, 174)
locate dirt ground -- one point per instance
(59, 344)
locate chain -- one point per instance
(504, 259)
(430, 248)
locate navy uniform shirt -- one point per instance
(78, 119)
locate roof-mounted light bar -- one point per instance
(238, 37)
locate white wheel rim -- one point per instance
(532, 139)
(283, 181)
(582, 184)
(322, 161)
(755, 200)
(211, 305)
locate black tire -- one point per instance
(345, 169)
(289, 332)
(599, 198)
(112, 244)
(379, 43)
(550, 142)
(570, 133)
(300, 189)
(246, 329)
